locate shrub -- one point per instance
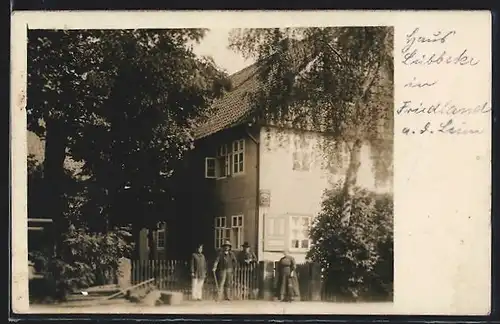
(357, 259)
(89, 259)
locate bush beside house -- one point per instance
(357, 259)
(90, 259)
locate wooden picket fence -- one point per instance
(174, 275)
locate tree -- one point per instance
(123, 102)
(357, 260)
(334, 80)
(56, 105)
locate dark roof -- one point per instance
(234, 106)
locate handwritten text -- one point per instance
(414, 83)
(414, 55)
(449, 127)
(447, 108)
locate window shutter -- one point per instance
(275, 233)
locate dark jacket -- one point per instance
(247, 258)
(287, 286)
(198, 265)
(225, 261)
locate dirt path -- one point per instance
(235, 307)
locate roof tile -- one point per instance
(231, 109)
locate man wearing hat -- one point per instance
(246, 256)
(225, 263)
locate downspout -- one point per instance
(257, 143)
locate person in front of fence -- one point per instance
(198, 272)
(288, 284)
(246, 256)
(225, 262)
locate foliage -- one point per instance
(92, 260)
(357, 259)
(335, 80)
(35, 185)
(89, 258)
(124, 102)
(75, 194)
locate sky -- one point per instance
(215, 44)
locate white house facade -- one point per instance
(294, 171)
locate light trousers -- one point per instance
(197, 287)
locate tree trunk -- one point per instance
(351, 179)
(54, 177)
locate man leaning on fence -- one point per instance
(226, 263)
(198, 272)
(246, 256)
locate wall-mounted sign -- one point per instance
(264, 198)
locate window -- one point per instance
(275, 232)
(223, 162)
(301, 161)
(299, 233)
(237, 230)
(220, 231)
(302, 156)
(220, 166)
(238, 156)
(210, 168)
(276, 226)
(160, 239)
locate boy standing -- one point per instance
(198, 273)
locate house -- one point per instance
(257, 183)
(249, 182)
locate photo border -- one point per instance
(19, 5)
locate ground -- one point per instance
(234, 307)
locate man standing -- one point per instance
(247, 260)
(226, 262)
(198, 272)
(246, 256)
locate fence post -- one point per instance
(124, 273)
(266, 280)
(315, 281)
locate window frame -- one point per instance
(299, 158)
(275, 232)
(158, 246)
(237, 225)
(220, 231)
(303, 151)
(222, 156)
(207, 159)
(236, 150)
(232, 157)
(291, 228)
